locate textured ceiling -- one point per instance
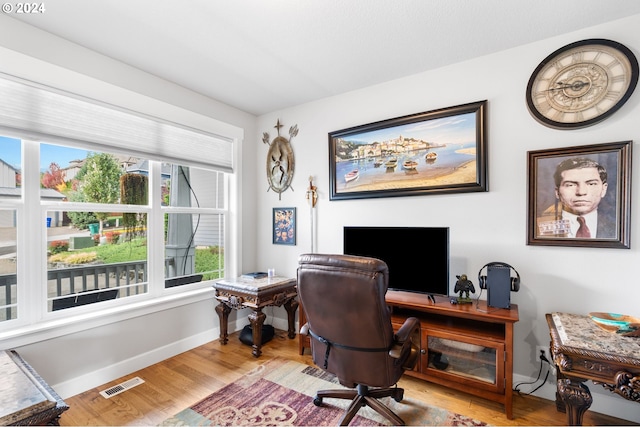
(264, 55)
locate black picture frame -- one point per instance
(445, 151)
(284, 226)
(548, 223)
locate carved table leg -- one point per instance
(291, 306)
(223, 311)
(256, 318)
(576, 397)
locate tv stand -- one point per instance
(468, 347)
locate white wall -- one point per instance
(487, 226)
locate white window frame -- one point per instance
(34, 323)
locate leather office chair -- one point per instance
(351, 333)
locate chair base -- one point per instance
(364, 396)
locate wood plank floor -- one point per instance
(179, 382)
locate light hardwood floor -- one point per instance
(179, 382)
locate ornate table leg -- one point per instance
(223, 311)
(256, 318)
(291, 306)
(576, 397)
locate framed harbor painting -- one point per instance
(580, 196)
(435, 152)
(284, 226)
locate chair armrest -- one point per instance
(407, 329)
(407, 343)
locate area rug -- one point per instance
(280, 392)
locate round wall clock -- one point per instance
(280, 160)
(582, 83)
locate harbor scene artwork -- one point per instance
(434, 152)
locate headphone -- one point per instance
(515, 281)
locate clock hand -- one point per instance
(575, 86)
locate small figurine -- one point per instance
(463, 285)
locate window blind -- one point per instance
(30, 110)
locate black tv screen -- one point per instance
(417, 257)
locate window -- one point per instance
(99, 254)
(10, 191)
(194, 205)
(100, 220)
(8, 260)
(58, 198)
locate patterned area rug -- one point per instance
(280, 392)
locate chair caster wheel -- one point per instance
(317, 401)
(398, 397)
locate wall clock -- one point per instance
(280, 160)
(582, 83)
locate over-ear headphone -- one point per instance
(515, 281)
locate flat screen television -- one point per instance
(417, 257)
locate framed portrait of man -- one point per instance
(580, 196)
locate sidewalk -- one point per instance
(63, 233)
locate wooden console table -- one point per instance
(583, 351)
(25, 399)
(241, 293)
(468, 347)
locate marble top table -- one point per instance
(583, 351)
(255, 294)
(25, 399)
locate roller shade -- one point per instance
(30, 110)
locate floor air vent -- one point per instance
(117, 389)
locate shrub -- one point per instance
(57, 246)
(112, 237)
(57, 257)
(81, 258)
(74, 257)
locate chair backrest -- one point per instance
(343, 298)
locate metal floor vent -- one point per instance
(124, 386)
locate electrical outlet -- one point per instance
(543, 350)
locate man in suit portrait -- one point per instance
(580, 186)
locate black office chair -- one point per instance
(351, 333)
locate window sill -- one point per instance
(54, 328)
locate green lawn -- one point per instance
(207, 259)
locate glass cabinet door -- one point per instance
(464, 359)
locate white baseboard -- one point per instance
(109, 373)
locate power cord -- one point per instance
(543, 359)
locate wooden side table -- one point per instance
(25, 399)
(255, 294)
(583, 351)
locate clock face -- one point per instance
(582, 83)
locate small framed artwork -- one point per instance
(580, 196)
(439, 151)
(284, 226)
